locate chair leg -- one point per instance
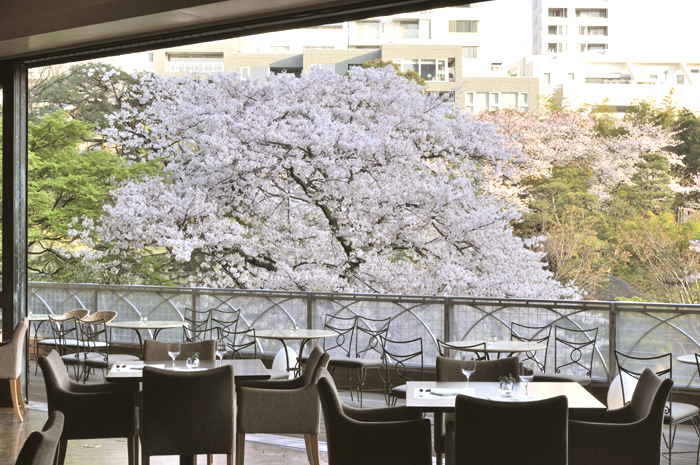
(240, 448)
(307, 444)
(313, 446)
(210, 459)
(61, 456)
(145, 459)
(13, 394)
(20, 395)
(229, 459)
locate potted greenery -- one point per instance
(192, 360)
(505, 385)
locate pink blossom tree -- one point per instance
(358, 183)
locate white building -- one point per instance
(591, 79)
(562, 27)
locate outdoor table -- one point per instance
(138, 326)
(248, 369)
(304, 335)
(500, 347)
(688, 359)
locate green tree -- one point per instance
(651, 191)
(410, 74)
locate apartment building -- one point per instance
(564, 27)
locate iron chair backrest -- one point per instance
(536, 334)
(199, 322)
(225, 319)
(444, 349)
(195, 335)
(345, 329)
(64, 329)
(574, 342)
(368, 332)
(237, 343)
(94, 337)
(665, 360)
(398, 354)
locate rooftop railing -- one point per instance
(641, 329)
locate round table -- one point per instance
(688, 359)
(502, 347)
(138, 326)
(304, 335)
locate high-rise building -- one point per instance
(562, 27)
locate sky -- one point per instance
(651, 29)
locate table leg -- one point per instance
(301, 353)
(188, 460)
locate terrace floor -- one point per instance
(260, 449)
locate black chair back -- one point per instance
(536, 334)
(574, 348)
(41, 447)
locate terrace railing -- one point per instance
(639, 328)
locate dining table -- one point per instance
(502, 347)
(303, 335)
(138, 326)
(132, 371)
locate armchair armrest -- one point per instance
(97, 414)
(381, 414)
(103, 388)
(618, 415)
(638, 443)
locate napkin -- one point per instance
(446, 391)
(504, 399)
(190, 369)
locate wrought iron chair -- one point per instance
(224, 319)
(198, 325)
(675, 413)
(571, 350)
(479, 350)
(66, 341)
(397, 355)
(97, 345)
(51, 343)
(41, 447)
(196, 335)
(368, 349)
(536, 334)
(244, 343)
(339, 348)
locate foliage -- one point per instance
(411, 75)
(347, 183)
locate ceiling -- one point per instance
(49, 28)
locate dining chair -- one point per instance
(11, 360)
(196, 335)
(450, 350)
(188, 413)
(199, 323)
(450, 369)
(157, 351)
(225, 319)
(401, 359)
(368, 349)
(66, 341)
(675, 412)
(71, 342)
(288, 406)
(97, 345)
(536, 431)
(244, 343)
(535, 334)
(573, 352)
(627, 435)
(339, 347)
(371, 436)
(91, 411)
(41, 447)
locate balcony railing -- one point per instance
(639, 328)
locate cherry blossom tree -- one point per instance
(358, 183)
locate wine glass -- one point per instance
(528, 373)
(221, 349)
(468, 367)
(173, 351)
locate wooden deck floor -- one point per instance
(260, 449)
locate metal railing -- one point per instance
(636, 328)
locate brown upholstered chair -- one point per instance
(630, 434)
(11, 366)
(536, 431)
(188, 413)
(376, 436)
(91, 410)
(157, 351)
(41, 446)
(283, 407)
(449, 369)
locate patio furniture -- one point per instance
(87, 407)
(225, 319)
(449, 369)
(238, 341)
(339, 347)
(66, 341)
(303, 335)
(199, 322)
(509, 348)
(571, 350)
(536, 334)
(158, 350)
(368, 348)
(52, 343)
(202, 421)
(630, 434)
(283, 407)
(97, 346)
(397, 355)
(478, 349)
(41, 447)
(377, 436)
(11, 366)
(675, 412)
(536, 431)
(138, 326)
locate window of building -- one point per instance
(597, 30)
(591, 13)
(680, 79)
(245, 72)
(430, 70)
(557, 30)
(470, 52)
(557, 12)
(408, 29)
(279, 48)
(151, 64)
(368, 29)
(694, 71)
(547, 78)
(464, 26)
(582, 30)
(571, 76)
(290, 72)
(495, 101)
(582, 47)
(612, 80)
(319, 47)
(194, 63)
(557, 48)
(597, 47)
(653, 76)
(524, 99)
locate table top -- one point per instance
(503, 346)
(242, 369)
(146, 324)
(288, 334)
(688, 358)
(578, 396)
(41, 317)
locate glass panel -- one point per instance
(481, 101)
(509, 99)
(368, 29)
(409, 29)
(427, 70)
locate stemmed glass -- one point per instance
(528, 373)
(173, 351)
(468, 366)
(221, 349)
